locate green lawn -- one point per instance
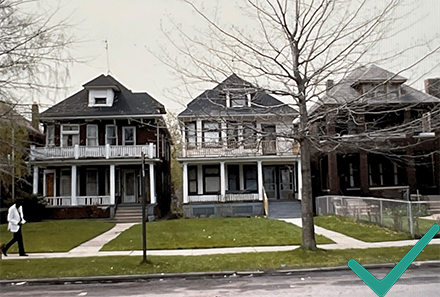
(56, 236)
(209, 233)
(364, 232)
(99, 266)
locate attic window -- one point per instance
(238, 100)
(101, 97)
(99, 100)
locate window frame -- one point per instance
(217, 140)
(50, 139)
(189, 169)
(116, 134)
(134, 135)
(207, 175)
(69, 132)
(96, 138)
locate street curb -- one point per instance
(195, 275)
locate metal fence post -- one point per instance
(410, 214)
(381, 212)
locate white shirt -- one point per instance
(15, 218)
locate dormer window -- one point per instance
(381, 90)
(238, 99)
(101, 97)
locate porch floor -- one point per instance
(284, 209)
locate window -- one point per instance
(92, 182)
(70, 135)
(100, 100)
(211, 134)
(233, 178)
(238, 100)
(192, 180)
(249, 135)
(211, 175)
(191, 135)
(111, 135)
(426, 122)
(384, 172)
(50, 136)
(232, 134)
(250, 178)
(92, 135)
(128, 136)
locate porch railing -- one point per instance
(103, 151)
(263, 147)
(81, 200)
(224, 198)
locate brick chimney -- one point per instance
(35, 116)
(330, 83)
(432, 86)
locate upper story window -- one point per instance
(191, 134)
(249, 135)
(128, 136)
(238, 99)
(101, 97)
(111, 135)
(211, 134)
(69, 135)
(50, 136)
(381, 90)
(92, 135)
(232, 134)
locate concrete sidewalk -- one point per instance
(92, 247)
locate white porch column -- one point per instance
(200, 183)
(260, 180)
(35, 184)
(300, 182)
(241, 177)
(183, 131)
(199, 133)
(73, 177)
(152, 185)
(112, 185)
(185, 183)
(222, 180)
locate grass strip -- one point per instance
(361, 231)
(209, 233)
(102, 266)
(57, 235)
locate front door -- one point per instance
(286, 183)
(50, 184)
(129, 187)
(269, 176)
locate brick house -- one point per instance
(388, 141)
(93, 145)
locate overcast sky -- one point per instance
(133, 29)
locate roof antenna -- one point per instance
(106, 50)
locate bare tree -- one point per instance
(290, 49)
(33, 50)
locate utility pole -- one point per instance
(144, 204)
(13, 163)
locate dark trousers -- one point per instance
(16, 237)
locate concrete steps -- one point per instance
(284, 209)
(434, 203)
(128, 214)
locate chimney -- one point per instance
(432, 86)
(329, 84)
(35, 117)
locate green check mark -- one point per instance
(381, 287)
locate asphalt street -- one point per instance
(422, 281)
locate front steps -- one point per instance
(128, 214)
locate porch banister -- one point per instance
(152, 185)
(185, 183)
(73, 185)
(107, 151)
(151, 151)
(35, 184)
(260, 180)
(76, 151)
(112, 184)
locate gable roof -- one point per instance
(213, 102)
(8, 114)
(344, 91)
(126, 103)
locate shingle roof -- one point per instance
(125, 103)
(344, 91)
(8, 114)
(213, 103)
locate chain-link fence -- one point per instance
(415, 215)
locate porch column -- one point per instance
(112, 185)
(300, 181)
(222, 180)
(260, 180)
(199, 133)
(185, 183)
(35, 184)
(363, 172)
(333, 177)
(200, 179)
(152, 185)
(73, 176)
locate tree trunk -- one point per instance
(308, 228)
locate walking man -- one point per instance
(16, 220)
